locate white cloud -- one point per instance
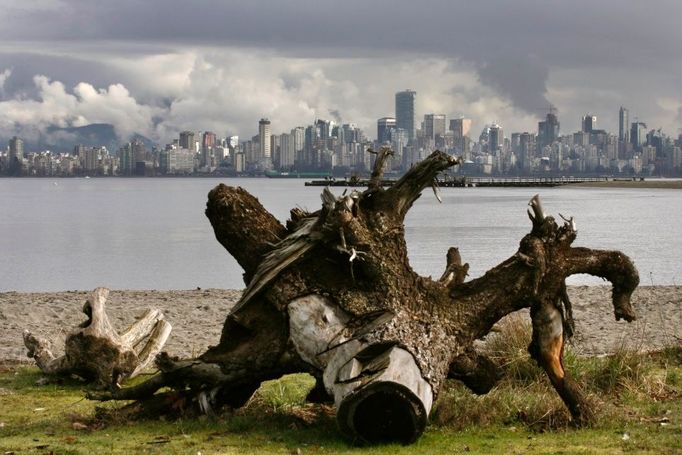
(55, 106)
(229, 90)
(3, 77)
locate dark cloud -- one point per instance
(497, 37)
(519, 48)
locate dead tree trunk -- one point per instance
(95, 351)
(336, 296)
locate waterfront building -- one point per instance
(187, 140)
(298, 144)
(623, 132)
(495, 138)
(208, 144)
(264, 134)
(405, 112)
(16, 155)
(384, 127)
(637, 134)
(548, 130)
(460, 127)
(90, 159)
(286, 151)
(527, 151)
(589, 123)
(434, 125)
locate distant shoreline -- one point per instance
(647, 183)
(643, 184)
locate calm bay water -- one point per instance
(68, 234)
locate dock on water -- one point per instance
(464, 182)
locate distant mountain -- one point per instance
(65, 139)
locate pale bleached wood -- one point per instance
(95, 351)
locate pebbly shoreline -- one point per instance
(197, 317)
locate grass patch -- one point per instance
(638, 398)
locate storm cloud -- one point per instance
(222, 65)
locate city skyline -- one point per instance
(65, 63)
(342, 149)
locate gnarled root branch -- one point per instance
(97, 352)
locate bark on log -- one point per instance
(336, 297)
(96, 352)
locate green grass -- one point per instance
(638, 398)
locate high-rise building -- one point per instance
(384, 127)
(324, 128)
(434, 125)
(638, 134)
(623, 131)
(187, 141)
(589, 123)
(78, 150)
(405, 112)
(208, 144)
(16, 148)
(398, 144)
(548, 130)
(495, 137)
(275, 148)
(526, 151)
(264, 138)
(460, 127)
(90, 159)
(351, 133)
(139, 150)
(298, 140)
(515, 142)
(286, 151)
(127, 159)
(16, 155)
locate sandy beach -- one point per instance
(197, 317)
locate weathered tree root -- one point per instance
(96, 352)
(333, 294)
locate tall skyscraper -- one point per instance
(638, 134)
(139, 150)
(286, 151)
(384, 127)
(16, 155)
(351, 132)
(264, 134)
(623, 131)
(495, 137)
(548, 130)
(324, 128)
(208, 144)
(16, 148)
(434, 125)
(589, 123)
(187, 141)
(460, 127)
(526, 151)
(405, 112)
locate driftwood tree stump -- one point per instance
(96, 352)
(332, 293)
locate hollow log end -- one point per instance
(381, 413)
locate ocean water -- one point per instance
(67, 234)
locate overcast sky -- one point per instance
(157, 67)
